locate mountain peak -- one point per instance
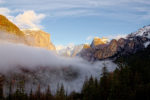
(144, 32)
(39, 38)
(86, 46)
(98, 41)
(8, 26)
(32, 37)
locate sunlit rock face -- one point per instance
(9, 27)
(98, 41)
(86, 46)
(89, 51)
(9, 32)
(39, 38)
(107, 51)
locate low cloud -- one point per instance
(40, 66)
(118, 36)
(109, 37)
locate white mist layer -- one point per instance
(39, 66)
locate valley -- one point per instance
(33, 68)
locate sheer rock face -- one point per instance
(98, 41)
(10, 32)
(107, 51)
(39, 38)
(115, 48)
(133, 43)
(7, 26)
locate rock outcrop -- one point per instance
(9, 27)
(107, 51)
(98, 41)
(39, 38)
(86, 46)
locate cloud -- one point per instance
(109, 37)
(29, 19)
(64, 8)
(72, 13)
(116, 36)
(2, 1)
(89, 38)
(5, 11)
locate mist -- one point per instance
(40, 66)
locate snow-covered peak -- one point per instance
(68, 50)
(145, 32)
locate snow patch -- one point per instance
(145, 32)
(146, 44)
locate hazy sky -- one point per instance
(78, 21)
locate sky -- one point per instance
(78, 21)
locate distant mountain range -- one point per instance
(69, 50)
(131, 44)
(73, 50)
(99, 49)
(38, 38)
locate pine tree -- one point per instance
(31, 95)
(48, 94)
(38, 94)
(1, 87)
(104, 84)
(60, 95)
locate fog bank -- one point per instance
(44, 67)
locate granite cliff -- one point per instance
(39, 38)
(9, 32)
(9, 27)
(133, 43)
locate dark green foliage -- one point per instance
(48, 94)
(60, 94)
(90, 87)
(1, 87)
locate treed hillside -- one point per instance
(130, 81)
